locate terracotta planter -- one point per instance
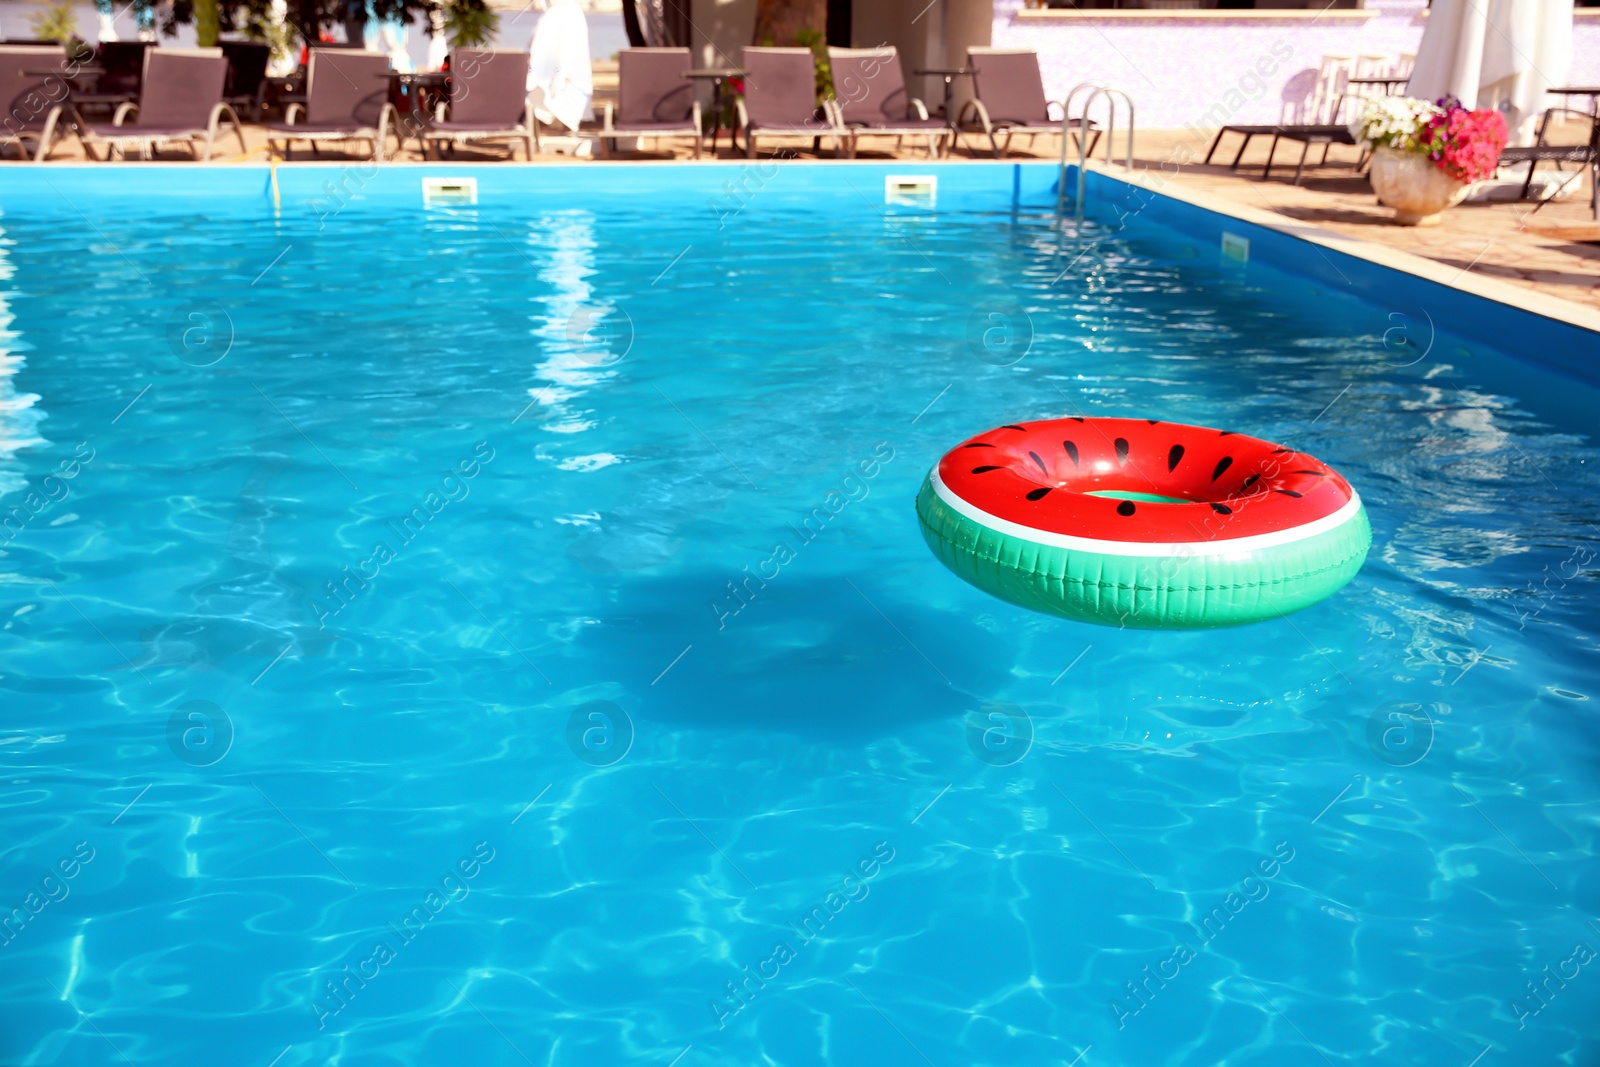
(1413, 186)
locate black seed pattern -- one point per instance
(1281, 451)
(1319, 474)
(1221, 509)
(1223, 464)
(980, 444)
(1008, 426)
(1072, 451)
(1040, 462)
(1252, 480)
(1122, 450)
(1076, 418)
(1225, 433)
(1152, 422)
(1038, 494)
(1288, 492)
(986, 470)
(1126, 508)
(1174, 457)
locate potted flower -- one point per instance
(1425, 156)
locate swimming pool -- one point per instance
(500, 634)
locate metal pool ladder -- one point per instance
(1093, 92)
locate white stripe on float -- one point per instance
(1216, 547)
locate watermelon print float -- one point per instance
(1143, 523)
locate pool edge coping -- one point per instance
(1460, 279)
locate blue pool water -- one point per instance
(539, 789)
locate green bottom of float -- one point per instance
(1179, 592)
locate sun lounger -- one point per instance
(1541, 151)
(1009, 99)
(489, 101)
(870, 100)
(180, 100)
(347, 99)
(1307, 135)
(780, 98)
(32, 102)
(654, 99)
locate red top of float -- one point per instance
(1046, 475)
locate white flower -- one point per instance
(1393, 121)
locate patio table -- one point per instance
(75, 96)
(718, 77)
(423, 84)
(949, 74)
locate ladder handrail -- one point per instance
(1095, 92)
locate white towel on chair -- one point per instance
(558, 64)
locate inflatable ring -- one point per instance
(1136, 522)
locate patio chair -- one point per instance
(347, 99)
(869, 99)
(1541, 151)
(180, 99)
(780, 98)
(32, 102)
(1008, 99)
(654, 99)
(123, 65)
(489, 101)
(246, 86)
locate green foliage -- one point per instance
(467, 22)
(280, 35)
(55, 22)
(818, 43)
(469, 25)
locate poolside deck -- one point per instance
(1486, 239)
(1561, 259)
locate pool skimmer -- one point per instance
(918, 189)
(445, 191)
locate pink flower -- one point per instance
(1464, 144)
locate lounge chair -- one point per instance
(1009, 99)
(347, 99)
(654, 99)
(870, 99)
(780, 98)
(1541, 151)
(489, 101)
(180, 99)
(1306, 134)
(247, 75)
(32, 102)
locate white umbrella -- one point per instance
(1502, 54)
(558, 64)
